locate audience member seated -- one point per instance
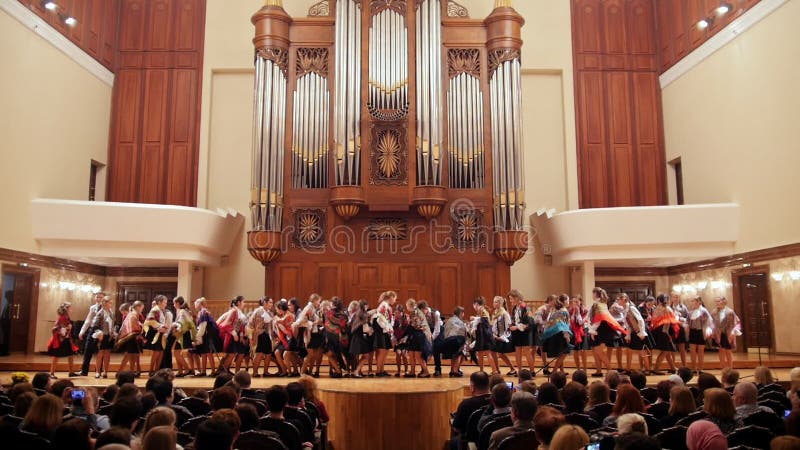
(745, 397)
(275, 420)
(718, 404)
(479, 387)
(523, 409)
(705, 435)
(575, 398)
(636, 441)
(705, 381)
(579, 376)
(612, 381)
(686, 374)
(214, 435)
(295, 412)
(41, 383)
(114, 435)
(528, 386)
(569, 437)
(632, 423)
(312, 396)
(558, 378)
(160, 438)
(785, 443)
(163, 390)
(86, 409)
(546, 422)
(224, 398)
(125, 413)
(44, 416)
(158, 417)
(524, 375)
(243, 380)
(681, 404)
(729, 377)
(599, 406)
(229, 417)
(660, 408)
(628, 401)
(548, 395)
(22, 405)
(73, 434)
(248, 416)
(763, 377)
(501, 405)
(125, 377)
(222, 379)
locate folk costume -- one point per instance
(60, 344)
(557, 334)
(130, 333)
(521, 318)
(726, 327)
(207, 338)
(232, 329)
(665, 328)
(383, 324)
(155, 339)
(501, 322)
(603, 328)
(701, 325)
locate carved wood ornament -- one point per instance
(322, 8)
(279, 56)
(501, 55)
(312, 60)
(309, 227)
(464, 60)
(389, 156)
(388, 229)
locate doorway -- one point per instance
(18, 309)
(637, 290)
(129, 292)
(753, 303)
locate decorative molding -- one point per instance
(312, 60)
(738, 259)
(389, 156)
(388, 229)
(751, 17)
(630, 271)
(309, 228)
(464, 60)
(142, 272)
(499, 56)
(467, 228)
(279, 56)
(322, 8)
(457, 10)
(36, 24)
(50, 262)
(398, 6)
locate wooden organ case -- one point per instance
(387, 150)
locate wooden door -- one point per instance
(755, 310)
(144, 292)
(22, 299)
(637, 290)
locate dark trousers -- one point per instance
(166, 361)
(89, 349)
(438, 343)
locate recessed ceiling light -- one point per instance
(51, 6)
(723, 9)
(70, 21)
(702, 24)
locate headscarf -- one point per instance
(704, 435)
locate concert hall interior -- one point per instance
(334, 187)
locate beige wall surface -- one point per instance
(225, 136)
(54, 118)
(733, 122)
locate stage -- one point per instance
(388, 413)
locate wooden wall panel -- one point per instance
(162, 40)
(95, 31)
(616, 63)
(676, 21)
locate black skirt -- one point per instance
(522, 338)
(63, 349)
(636, 343)
(606, 335)
(106, 344)
(186, 341)
(585, 343)
(697, 337)
(317, 341)
(381, 340)
(724, 343)
(502, 346)
(663, 341)
(132, 346)
(333, 343)
(556, 345)
(451, 346)
(158, 346)
(682, 338)
(483, 337)
(416, 340)
(360, 343)
(264, 343)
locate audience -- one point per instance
(745, 398)
(523, 409)
(479, 387)
(569, 437)
(500, 405)
(559, 379)
(599, 405)
(248, 416)
(214, 435)
(545, 424)
(729, 378)
(681, 404)
(114, 435)
(763, 376)
(549, 395)
(785, 443)
(72, 434)
(628, 401)
(718, 404)
(44, 416)
(160, 438)
(574, 397)
(631, 423)
(636, 441)
(705, 435)
(660, 408)
(579, 376)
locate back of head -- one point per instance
(229, 417)
(113, 435)
(295, 393)
(729, 376)
(214, 435)
(745, 393)
(23, 403)
(501, 395)
(158, 417)
(479, 380)
(224, 397)
(528, 386)
(794, 378)
(707, 381)
(59, 386)
(44, 414)
(558, 378)
(631, 423)
(628, 401)
(638, 379)
(248, 416)
(222, 379)
(243, 379)
(663, 388)
(599, 393)
(574, 397)
(579, 376)
(704, 435)
(125, 377)
(569, 437)
(545, 423)
(636, 441)
(523, 405)
(525, 375)
(763, 375)
(686, 374)
(719, 404)
(496, 379)
(276, 398)
(125, 411)
(612, 379)
(73, 434)
(548, 393)
(160, 438)
(110, 393)
(681, 401)
(162, 389)
(785, 443)
(41, 380)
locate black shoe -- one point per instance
(546, 371)
(409, 375)
(73, 375)
(437, 373)
(459, 374)
(424, 375)
(597, 375)
(80, 374)
(382, 374)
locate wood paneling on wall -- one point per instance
(96, 29)
(676, 21)
(153, 147)
(621, 158)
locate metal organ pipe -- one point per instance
(347, 134)
(429, 88)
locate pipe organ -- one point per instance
(387, 150)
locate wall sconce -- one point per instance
(53, 6)
(722, 9)
(69, 20)
(702, 285)
(50, 6)
(702, 24)
(777, 276)
(794, 275)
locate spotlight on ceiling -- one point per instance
(702, 24)
(723, 9)
(71, 21)
(50, 6)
